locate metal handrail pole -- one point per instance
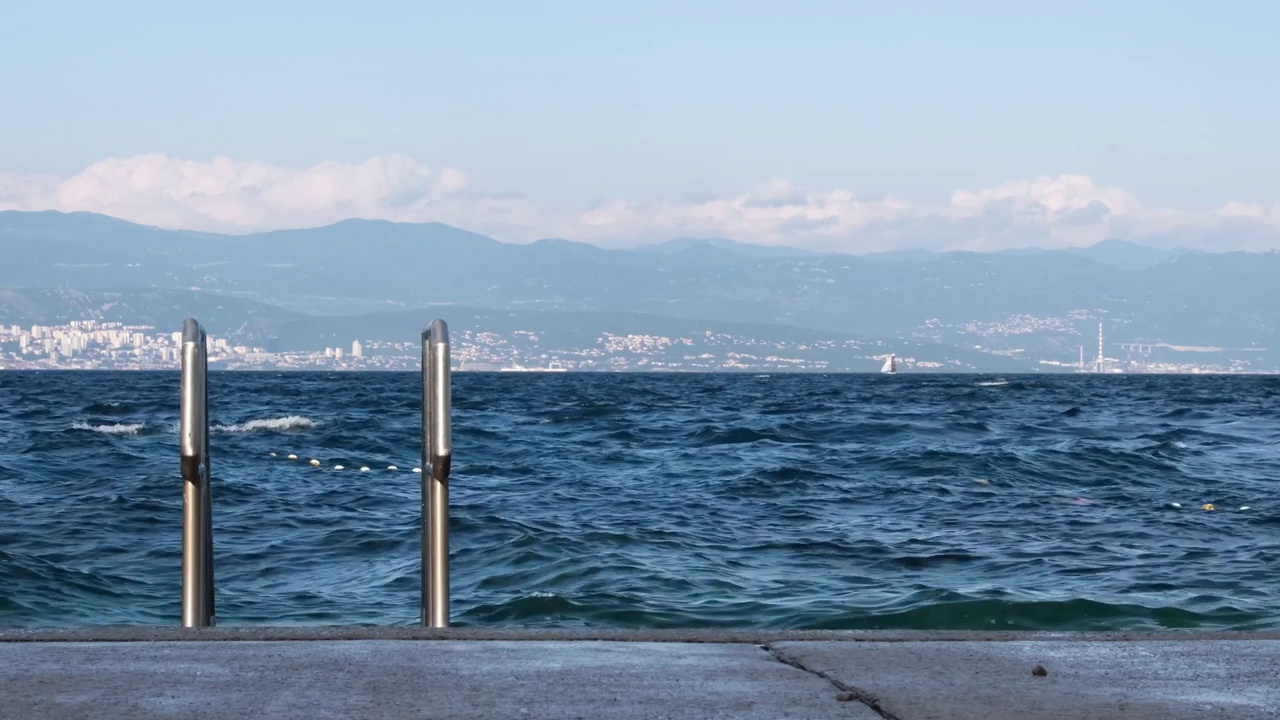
(437, 457)
(197, 497)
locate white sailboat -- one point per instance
(890, 365)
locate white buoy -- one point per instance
(392, 467)
(1175, 505)
(364, 469)
(271, 454)
(338, 467)
(417, 470)
(315, 463)
(1244, 507)
(292, 456)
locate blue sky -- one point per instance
(568, 105)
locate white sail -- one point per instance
(890, 365)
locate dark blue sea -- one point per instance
(642, 501)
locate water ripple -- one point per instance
(781, 501)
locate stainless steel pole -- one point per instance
(197, 499)
(437, 456)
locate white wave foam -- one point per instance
(290, 422)
(116, 429)
(993, 383)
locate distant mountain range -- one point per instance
(1044, 302)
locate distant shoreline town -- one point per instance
(95, 345)
(684, 305)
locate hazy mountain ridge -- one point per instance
(1144, 294)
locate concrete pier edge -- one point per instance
(358, 672)
(153, 633)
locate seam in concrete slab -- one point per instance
(858, 694)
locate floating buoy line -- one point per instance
(1208, 507)
(315, 463)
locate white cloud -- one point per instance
(1063, 211)
(231, 196)
(237, 196)
(27, 192)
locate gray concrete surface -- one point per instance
(1085, 679)
(336, 672)
(398, 679)
(413, 632)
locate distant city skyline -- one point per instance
(844, 126)
(89, 344)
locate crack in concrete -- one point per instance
(858, 694)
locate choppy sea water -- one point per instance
(624, 500)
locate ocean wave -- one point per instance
(114, 429)
(289, 422)
(698, 501)
(109, 407)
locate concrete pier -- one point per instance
(471, 673)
